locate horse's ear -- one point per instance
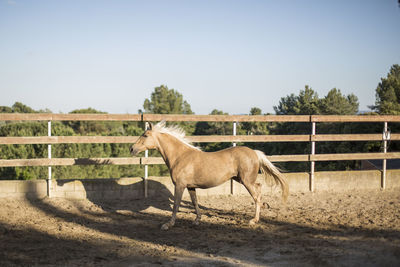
(150, 126)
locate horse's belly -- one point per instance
(211, 179)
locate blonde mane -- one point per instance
(175, 131)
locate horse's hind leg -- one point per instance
(192, 192)
(255, 191)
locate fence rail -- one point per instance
(195, 139)
(158, 160)
(312, 138)
(195, 118)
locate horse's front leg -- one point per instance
(178, 197)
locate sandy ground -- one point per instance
(312, 229)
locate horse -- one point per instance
(192, 168)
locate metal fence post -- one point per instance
(146, 167)
(312, 172)
(49, 156)
(385, 137)
(233, 144)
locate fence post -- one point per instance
(146, 167)
(49, 156)
(233, 144)
(312, 171)
(385, 137)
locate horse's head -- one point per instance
(145, 142)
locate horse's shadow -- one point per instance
(113, 196)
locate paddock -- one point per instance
(347, 228)
(347, 218)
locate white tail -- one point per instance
(267, 167)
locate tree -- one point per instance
(169, 101)
(211, 128)
(335, 103)
(306, 103)
(256, 128)
(388, 93)
(166, 101)
(66, 128)
(388, 100)
(18, 107)
(5, 109)
(21, 108)
(214, 128)
(88, 127)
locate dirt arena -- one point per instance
(312, 229)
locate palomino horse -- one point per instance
(192, 168)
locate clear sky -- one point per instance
(226, 55)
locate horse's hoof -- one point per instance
(253, 222)
(165, 227)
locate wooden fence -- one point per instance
(312, 138)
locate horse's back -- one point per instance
(240, 153)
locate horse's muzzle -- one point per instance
(134, 151)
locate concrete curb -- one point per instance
(133, 188)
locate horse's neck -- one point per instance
(171, 148)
